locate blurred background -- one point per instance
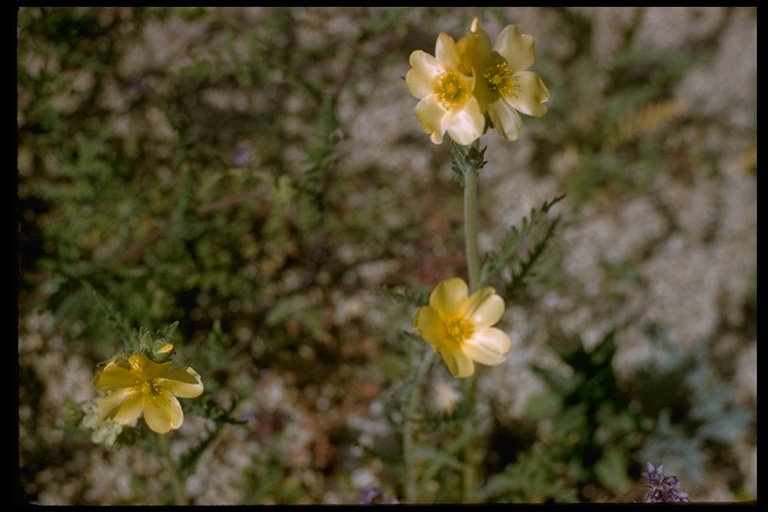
(257, 174)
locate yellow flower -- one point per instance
(147, 388)
(474, 51)
(447, 103)
(459, 326)
(161, 350)
(505, 85)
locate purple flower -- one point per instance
(654, 476)
(373, 495)
(671, 487)
(242, 153)
(664, 489)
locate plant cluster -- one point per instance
(186, 251)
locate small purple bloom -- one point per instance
(373, 495)
(654, 476)
(242, 154)
(664, 489)
(671, 487)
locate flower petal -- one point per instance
(145, 369)
(182, 382)
(123, 406)
(114, 377)
(431, 327)
(487, 346)
(425, 69)
(506, 120)
(445, 52)
(466, 124)
(483, 308)
(162, 412)
(431, 117)
(474, 49)
(528, 94)
(448, 295)
(458, 363)
(517, 48)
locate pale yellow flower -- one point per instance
(148, 388)
(447, 103)
(460, 326)
(474, 51)
(161, 350)
(510, 88)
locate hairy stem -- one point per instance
(473, 270)
(177, 485)
(411, 489)
(470, 228)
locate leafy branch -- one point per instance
(494, 261)
(466, 159)
(221, 417)
(414, 298)
(519, 276)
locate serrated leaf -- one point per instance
(514, 238)
(415, 298)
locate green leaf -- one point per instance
(494, 261)
(415, 298)
(466, 159)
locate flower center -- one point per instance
(448, 90)
(459, 329)
(498, 76)
(147, 389)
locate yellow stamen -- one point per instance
(499, 79)
(459, 329)
(147, 389)
(448, 90)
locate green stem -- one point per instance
(470, 228)
(469, 472)
(177, 485)
(411, 489)
(473, 270)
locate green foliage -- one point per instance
(320, 156)
(116, 237)
(440, 448)
(695, 405)
(148, 213)
(440, 459)
(466, 159)
(266, 479)
(320, 161)
(412, 297)
(495, 261)
(538, 476)
(197, 233)
(213, 410)
(613, 111)
(593, 423)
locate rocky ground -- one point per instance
(676, 254)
